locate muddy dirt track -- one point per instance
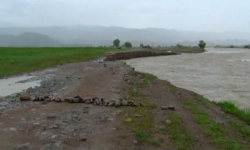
(38, 125)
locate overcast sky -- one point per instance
(195, 15)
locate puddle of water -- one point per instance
(17, 84)
(219, 74)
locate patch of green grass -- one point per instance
(145, 79)
(173, 88)
(14, 60)
(157, 142)
(245, 132)
(231, 108)
(177, 131)
(141, 126)
(132, 72)
(216, 133)
(202, 100)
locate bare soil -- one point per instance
(88, 127)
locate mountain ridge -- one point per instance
(100, 35)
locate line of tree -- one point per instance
(247, 46)
(117, 42)
(145, 46)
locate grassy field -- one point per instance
(18, 60)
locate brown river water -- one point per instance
(218, 74)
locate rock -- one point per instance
(111, 104)
(130, 103)
(135, 142)
(36, 99)
(25, 98)
(54, 136)
(164, 107)
(94, 98)
(170, 107)
(70, 100)
(86, 99)
(96, 102)
(125, 79)
(76, 100)
(41, 99)
(124, 103)
(48, 100)
(12, 129)
(58, 100)
(137, 115)
(44, 103)
(79, 97)
(104, 65)
(128, 120)
(36, 123)
(103, 103)
(46, 96)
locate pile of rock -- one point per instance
(80, 99)
(100, 101)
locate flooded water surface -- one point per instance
(17, 84)
(219, 74)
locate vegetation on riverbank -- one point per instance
(231, 108)
(181, 49)
(17, 60)
(141, 126)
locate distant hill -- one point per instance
(99, 35)
(6, 39)
(28, 39)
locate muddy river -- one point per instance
(219, 74)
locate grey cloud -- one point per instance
(206, 15)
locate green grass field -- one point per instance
(18, 60)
